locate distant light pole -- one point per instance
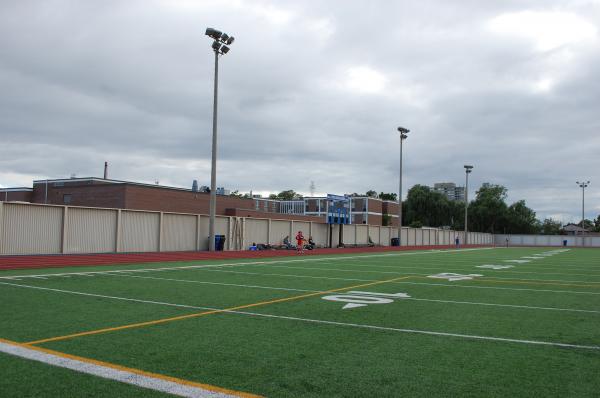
(219, 46)
(583, 186)
(403, 135)
(468, 170)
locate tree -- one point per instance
(487, 213)
(428, 207)
(371, 194)
(286, 195)
(236, 194)
(550, 227)
(588, 224)
(520, 219)
(597, 224)
(388, 196)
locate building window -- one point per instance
(67, 198)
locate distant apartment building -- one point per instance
(450, 190)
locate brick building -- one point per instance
(99, 192)
(15, 194)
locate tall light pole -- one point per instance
(583, 186)
(219, 46)
(403, 136)
(468, 169)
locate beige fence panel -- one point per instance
(386, 236)
(335, 236)
(178, 232)
(279, 230)
(90, 230)
(362, 234)
(301, 226)
(375, 233)
(256, 231)
(411, 237)
(31, 229)
(349, 234)
(203, 238)
(139, 231)
(320, 233)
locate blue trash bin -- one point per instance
(219, 242)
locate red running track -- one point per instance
(69, 260)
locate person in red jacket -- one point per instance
(300, 242)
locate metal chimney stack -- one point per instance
(105, 170)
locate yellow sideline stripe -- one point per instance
(199, 314)
(134, 370)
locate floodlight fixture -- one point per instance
(230, 40)
(468, 168)
(215, 34)
(224, 49)
(224, 37)
(216, 45)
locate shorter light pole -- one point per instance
(468, 169)
(403, 135)
(583, 186)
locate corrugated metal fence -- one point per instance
(548, 240)
(27, 228)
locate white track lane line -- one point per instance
(414, 331)
(338, 258)
(106, 372)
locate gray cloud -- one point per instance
(310, 91)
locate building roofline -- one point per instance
(16, 189)
(109, 181)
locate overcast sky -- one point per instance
(311, 90)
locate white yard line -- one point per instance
(420, 274)
(402, 330)
(498, 288)
(426, 332)
(414, 283)
(306, 259)
(287, 289)
(120, 374)
(446, 266)
(217, 283)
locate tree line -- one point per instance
(488, 212)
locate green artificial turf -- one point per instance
(312, 347)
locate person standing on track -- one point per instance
(300, 242)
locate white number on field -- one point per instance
(494, 266)
(454, 277)
(356, 299)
